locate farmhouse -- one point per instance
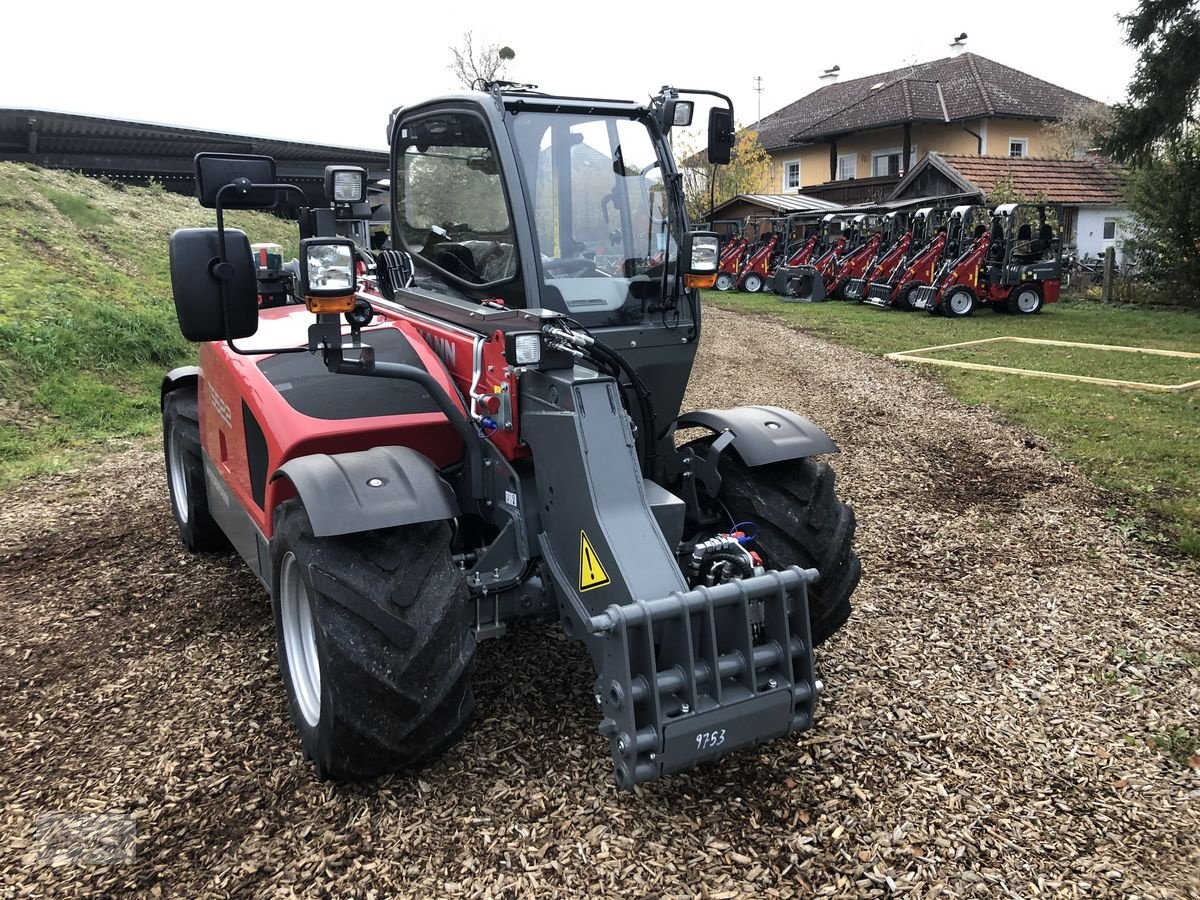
(854, 140)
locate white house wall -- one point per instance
(1089, 230)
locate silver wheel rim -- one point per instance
(960, 303)
(752, 284)
(177, 472)
(723, 282)
(300, 640)
(1027, 301)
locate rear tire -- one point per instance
(374, 644)
(185, 474)
(802, 523)
(1025, 301)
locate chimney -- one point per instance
(829, 76)
(959, 43)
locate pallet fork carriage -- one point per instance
(478, 427)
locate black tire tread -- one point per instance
(201, 533)
(397, 652)
(802, 522)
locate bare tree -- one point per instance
(471, 66)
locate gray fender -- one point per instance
(763, 434)
(184, 376)
(378, 488)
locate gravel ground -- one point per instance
(992, 725)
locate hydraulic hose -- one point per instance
(645, 405)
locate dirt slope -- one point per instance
(989, 727)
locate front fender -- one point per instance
(763, 434)
(184, 376)
(378, 488)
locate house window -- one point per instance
(1018, 147)
(1110, 229)
(885, 164)
(791, 175)
(847, 167)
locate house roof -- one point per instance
(1093, 180)
(783, 203)
(953, 89)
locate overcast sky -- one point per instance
(331, 72)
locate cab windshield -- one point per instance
(603, 217)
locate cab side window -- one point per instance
(452, 213)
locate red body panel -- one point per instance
(731, 257)
(826, 264)
(923, 267)
(760, 262)
(804, 255)
(854, 265)
(227, 380)
(890, 261)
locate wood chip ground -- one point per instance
(998, 721)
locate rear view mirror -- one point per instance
(197, 276)
(215, 170)
(720, 135)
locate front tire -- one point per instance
(185, 473)
(752, 284)
(374, 644)
(904, 300)
(802, 523)
(958, 303)
(724, 281)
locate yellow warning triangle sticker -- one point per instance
(591, 572)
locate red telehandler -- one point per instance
(484, 433)
(807, 283)
(866, 238)
(733, 251)
(756, 266)
(896, 232)
(1014, 267)
(918, 266)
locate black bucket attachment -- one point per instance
(856, 289)
(693, 676)
(799, 284)
(923, 297)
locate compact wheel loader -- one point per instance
(480, 426)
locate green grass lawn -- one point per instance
(87, 324)
(1146, 446)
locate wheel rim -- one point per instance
(724, 282)
(752, 284)
(1027, 301)
(177, 472)
(960, 303)
(300, 640)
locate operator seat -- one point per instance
(996, 249)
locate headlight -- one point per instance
(346, 184)
(328, 280)
(525, 349)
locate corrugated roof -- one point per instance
(37, 134)
(952, 89)
(1090, 180)
(785, 202)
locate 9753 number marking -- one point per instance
(708, 740)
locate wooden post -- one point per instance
(1110, 261)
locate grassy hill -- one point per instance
(87, 324)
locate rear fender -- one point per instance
(183, 377)
(378, 488)
(763, 434)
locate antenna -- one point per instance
(959, 43)
(758, 89)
